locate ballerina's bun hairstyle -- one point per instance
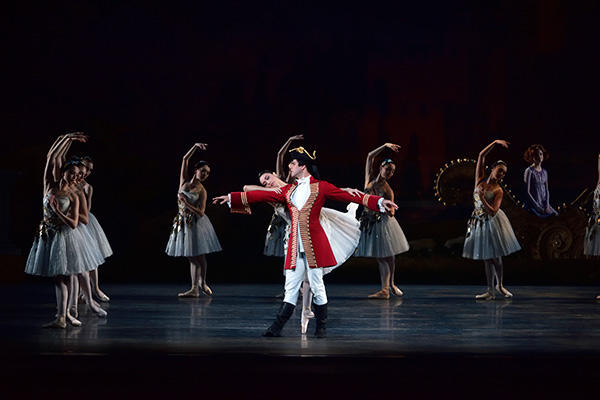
(265, 171)
(74, 162)
(531, 150)
(499, 162)
(387, 161)
(200, 164)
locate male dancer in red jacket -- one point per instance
(308, 248)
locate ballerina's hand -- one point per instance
(277, 190)
(353, 192)
(220, 199)
(297, 137)
(389, 205)
(394, 147)
(503, 143)
(201, 146)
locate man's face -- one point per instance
(295, 169)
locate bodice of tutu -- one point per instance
(369, 218)
(49, 215)
(192, 197)
(479, 211)
(596, 202)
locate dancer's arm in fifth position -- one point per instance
(280, 166)
(371, 158)
(184, 174)
(480, 168)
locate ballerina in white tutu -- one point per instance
(193, 236)
(60, 249)
(381, 236)
(591, 244)
(489, 234)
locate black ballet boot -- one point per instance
(285, 312)
(321, 318)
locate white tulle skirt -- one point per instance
(99, 236)
(381, 238)
(591, 243)
(490, 237)
(62, 251)
(193, 237)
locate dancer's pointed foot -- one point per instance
(383, 294)
(73, 321)
(206, 290)
(485, 296)
(73, 311)
(98, 310)
(101, 296)
(58, 323)
(396, 291)
(504, 292)
(307, 314)
(193, 292)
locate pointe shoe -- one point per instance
(485, 296)
(306, 316)
(101, 296)
(396, 291)
(73, 311)
(73, 321)
(504, 292)
(193, 292)
(206, 290)
(383, 294)
(58, 323)
(100, 312)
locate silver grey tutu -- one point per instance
(381, 236)
(276, 237)
(99, 236)
(591, 243)
(490, 237)
(192, 236)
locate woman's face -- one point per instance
(83, 173)
(202, 173)
(387, 171)
(72, 174)
(538, 156)
(89, 167)
(268, 180)
(499, 172)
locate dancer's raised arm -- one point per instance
(63, 148)
(184, 175)
(371, 158)
(480, 168)
(280, 166)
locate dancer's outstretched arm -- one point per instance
(251, 188)
(370, 201)
(280, 166)
(371, 158)
(49, 176)
(184, 174)
(480, 168)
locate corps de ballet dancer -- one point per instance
(591, 244)
(381, 236)
(60, 249)
(192, 235)
(309, 250)
(82, 279)
(537, 195)
(489, 233)
(342, 229)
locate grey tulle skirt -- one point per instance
(490, 237)
(383, 237)
(99, 236)
(591, 243)
(276, 237)
(192, 238)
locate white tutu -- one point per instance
(191, 235)
(490, 237)
(591, 244)
(381, 236)
(99, 236)
(60, 250)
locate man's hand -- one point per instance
(389, 205)
(220, 199)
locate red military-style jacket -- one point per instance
(316, 246)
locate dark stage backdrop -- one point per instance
(442, 79)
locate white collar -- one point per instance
(301, 181)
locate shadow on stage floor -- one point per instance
(434, 341)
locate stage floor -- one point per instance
(435, 340)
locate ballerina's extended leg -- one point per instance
(307, 313)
